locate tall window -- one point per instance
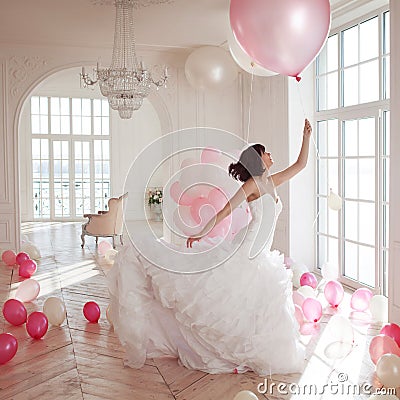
(352, 92)
(70, 156)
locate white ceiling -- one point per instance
(181, 23)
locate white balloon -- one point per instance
(306, 291)
(31, 250)
(379, 307)
(210, 67)
(330, 271)
(245, 395)
(388, 370)
(334, 201)
(339, 329)
(55, 310)
(244, 60)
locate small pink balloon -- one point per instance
(14, 312)
(28, 290)
(392, 330)
(381, 345)
(298, 313)
(27, 268)
(37, 325)
(312, 309)
(9, 258)
(334, 293)
(104, 246)
(8, 347)
(298, 298)
(308, 279)
(210, 155)
(360, 299)
(21, 257)
(91, 311)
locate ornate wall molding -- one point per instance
(19, 70)
(136, 3)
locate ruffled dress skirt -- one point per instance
(234, 318)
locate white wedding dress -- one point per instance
(236, 317)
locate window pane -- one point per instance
(65, 106)
(350, 138)
(367, 137)
(351, 220)
(322, 249)
(333, 171)
(350, 86)
(322, 93)
(35, 122)
(332, 94)
(367, 223)
(367, 265)
(34, 105)
(386, 179)
(367, 179)
(333, 222)
(76, 107)
(55, 124)
(322, 217)
(44, 124)
(322, 177)
(332, 53)
(351, 179)
(105, 126)
(333, 138)
(57, 150)
(86, 107)
(76, 125)
(97, 125)
(369, 39)
(350, 260)
(97, 150)
(106, 150)
(97, 107)
(322, 138)
(386, 133)
(350, 46)
(55, 105)
(44, 105)
(86, 126)
(369, 81)
(386, 32)
(65, 128)
(35, 148)
(386, 77)
(333, 251)
(105, 108)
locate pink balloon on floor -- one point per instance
(392, 330)
(104, 246)
(308, 279)
(381, 345)
(312, 309)
(281, 36)
(9, 258)
(91, 311)
(334, 293)
(8, 347)
(27, 290)
(37, 325)
(360, 299)
(21, 257)
(14, 312)
(27, 268)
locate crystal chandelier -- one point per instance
(126, 82)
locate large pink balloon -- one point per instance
(210, 155)
(9, 258)
(27, 290)
(381, 345)
(360, 299)
(312, 309)
(37, 325)
(334, 293)
(281, 36)
(8, 347)
(14, 312)
(392, 330)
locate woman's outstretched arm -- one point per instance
(288, 173)
(247, 189)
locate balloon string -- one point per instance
(250, 102)
(315, 220)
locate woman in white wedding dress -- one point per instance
(236, 317)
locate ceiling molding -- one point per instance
(136, 3)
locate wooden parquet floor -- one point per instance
(79, 360)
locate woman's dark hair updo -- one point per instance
(249, 164)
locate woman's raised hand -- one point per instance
(307, 128)
(191, 240)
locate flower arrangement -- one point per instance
(155, 196)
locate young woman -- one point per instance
(236, 317)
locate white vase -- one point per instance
(157, 211)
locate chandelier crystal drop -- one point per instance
(126, 82)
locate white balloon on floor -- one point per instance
(210, 67)
(379, 307)
(245, 395)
